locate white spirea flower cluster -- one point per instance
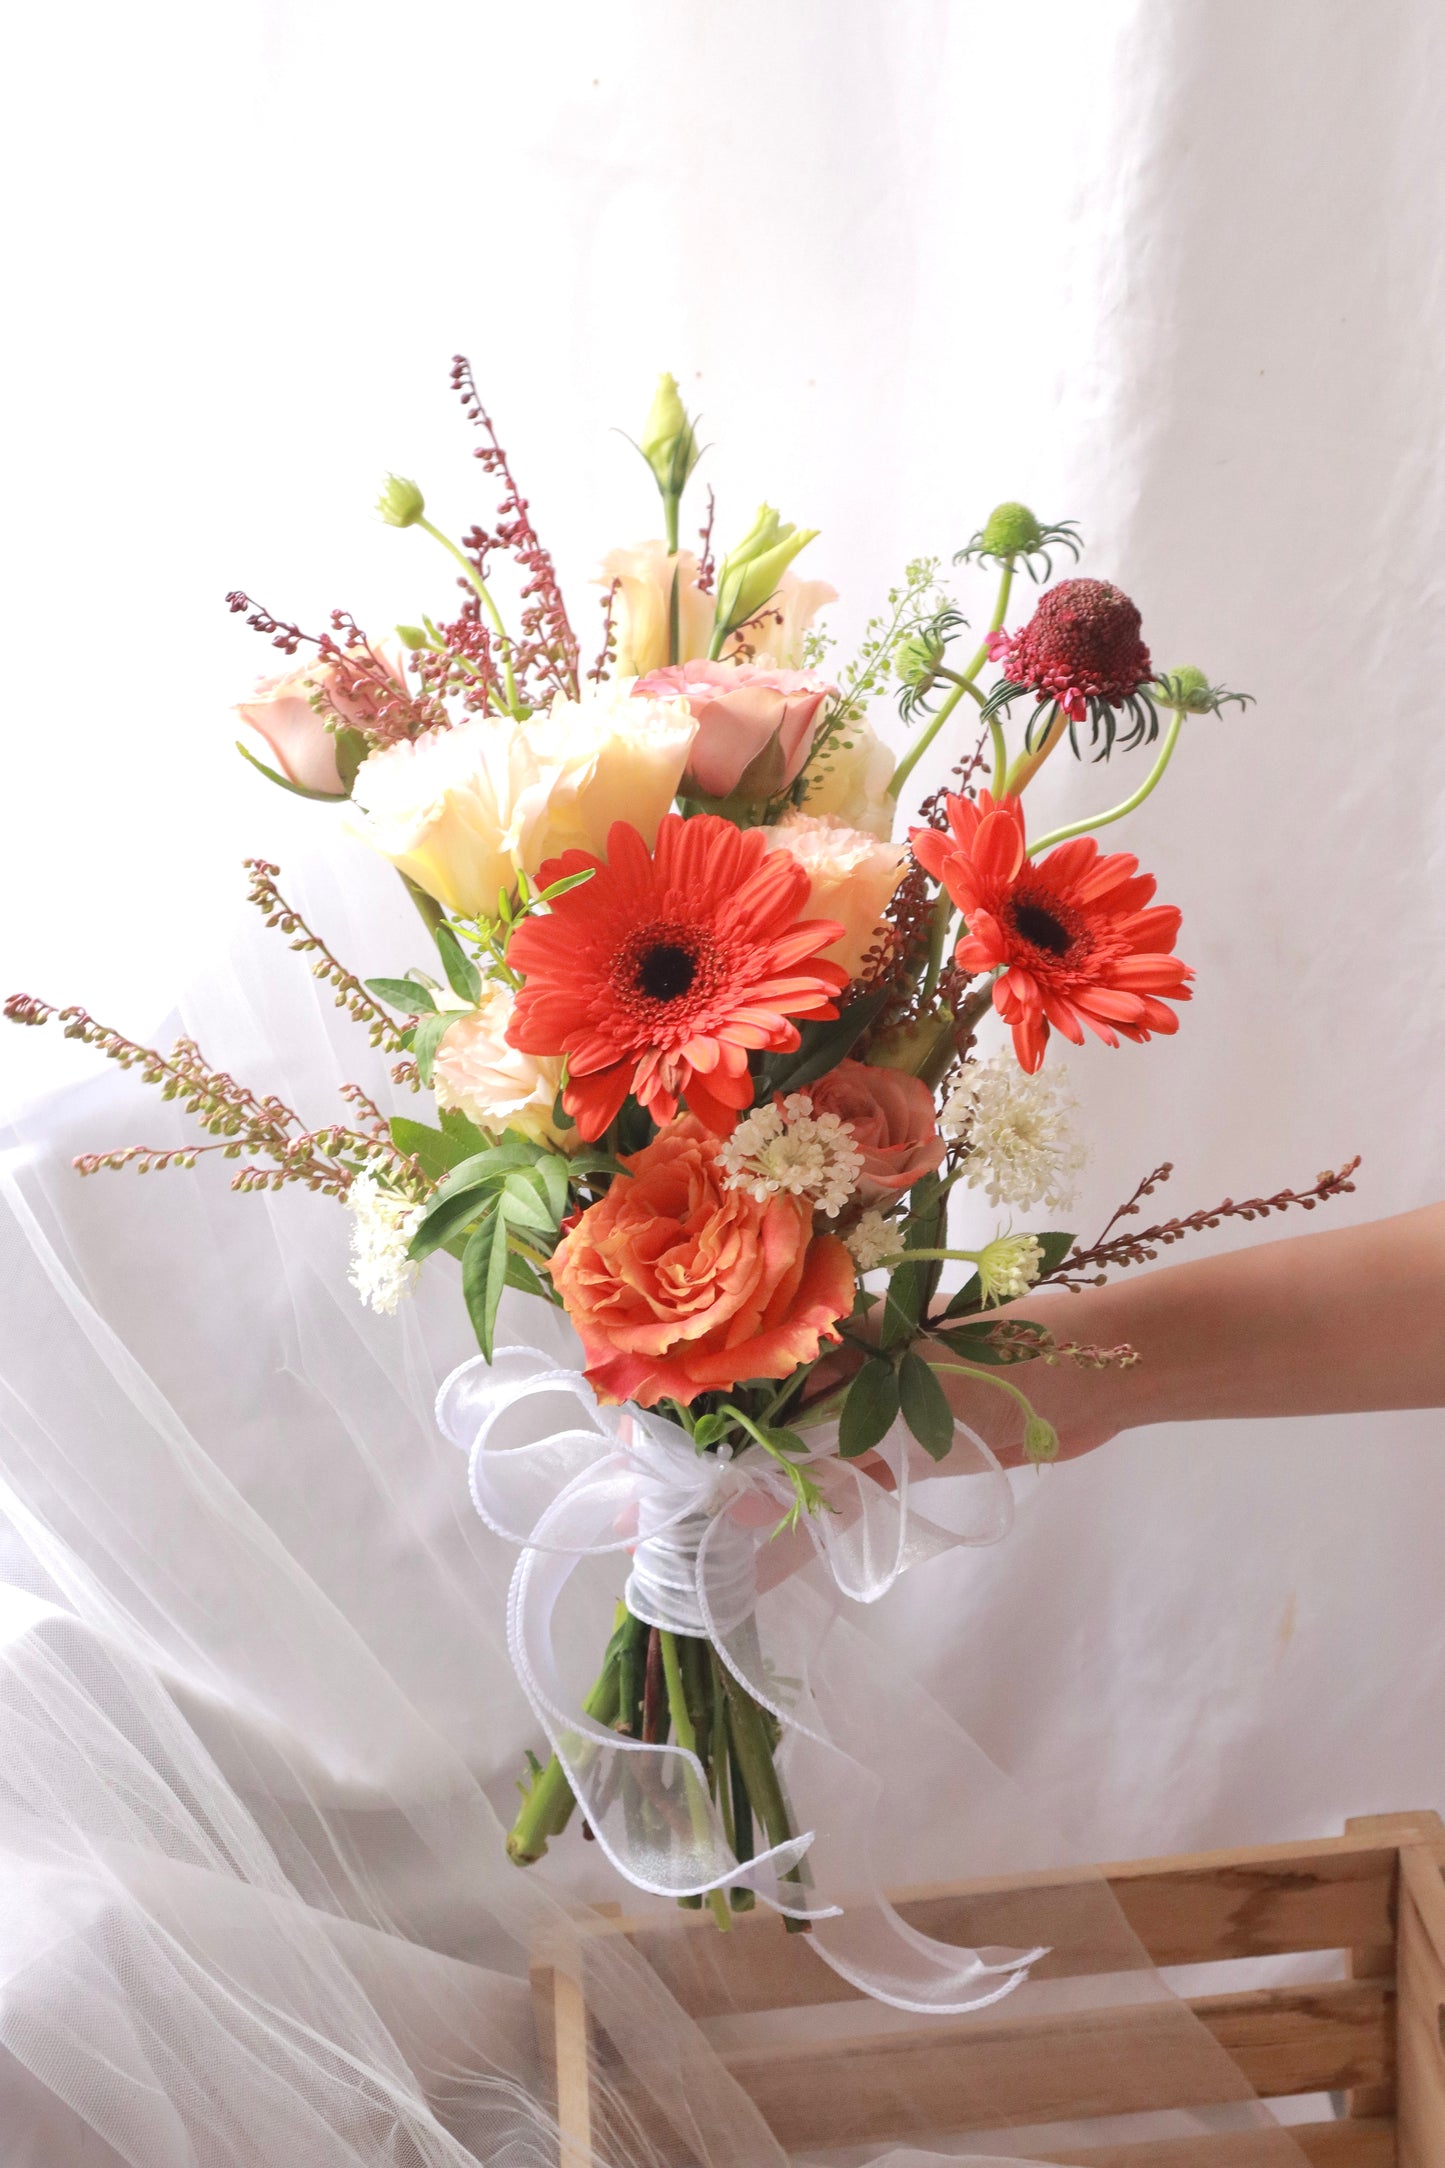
(874, 1241)
(791, 1148)
(382, 1225)
(1023, 1149)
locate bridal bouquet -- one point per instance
(697, 1014)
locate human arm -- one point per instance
(1320, 1324)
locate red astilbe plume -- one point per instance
(546, 654)
(1075, 936)
(661, 973)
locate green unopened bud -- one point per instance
(1190, 692)
(749, 574)
(412, 637)
(925, 1049)
(917, 658)
(1189, 689)
(401, 503)
(1010, 531)
(669, 441)
(1041, 1440)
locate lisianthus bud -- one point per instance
(749, 574)
(401, 503)
(1041, 1440)
(1010, 531)
(669, 441)
(412, 637)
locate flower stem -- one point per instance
(985, 1377)
(964, 684)
(547, 1808)
(1102, 820)
(475, 579)
(754, 1753)
(1027, 766)
(682, 1725)
(937, 938)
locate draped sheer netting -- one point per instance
(261, 1737)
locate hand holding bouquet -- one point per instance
(701, 1038)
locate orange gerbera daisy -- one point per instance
(663, 972)
(1074, 935)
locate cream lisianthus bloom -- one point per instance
(851, 781)
(852, 875)
(454, 810)
(775, 634)
(495, 1085)
(607, 757)
(641, 609)
(461, 812)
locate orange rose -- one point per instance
(678, 1285)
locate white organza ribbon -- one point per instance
(702, 1531)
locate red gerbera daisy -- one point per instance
(660, 974)
(1076, 935)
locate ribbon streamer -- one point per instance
(700, 1526)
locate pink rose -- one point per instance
(891, 1116)
(755, 727)
(303, 749)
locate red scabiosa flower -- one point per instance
(664, 971)
(1075, 937)
(1081, 652)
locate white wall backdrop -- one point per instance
(1170, 269)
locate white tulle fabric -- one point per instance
(262, 1725)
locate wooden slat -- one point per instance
(1323, 2145)
(1422, 2008)
(980, 2072)
(1335, 1893)
(563, 2038)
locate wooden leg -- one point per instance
(1422, 2006)
(1379, 1961)
(564, 2039)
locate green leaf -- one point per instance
(403, 994)
(521, 1276)
(522, 1204)
(590, 1162)
(964, 1300)
(445, 1217)
(351, 751)
(974, 1340)
(551, 1173)
(823, 1047)
(925, 1406)
(870, 1409)
(911, 1287)
(560, 888)
(462, 1134)
(1056, 1248)
(425, 1040)
(492, 1164)
(484, 1274)
(297, 790)
(463, 977)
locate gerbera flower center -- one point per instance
(665, 971)
(1040, 927)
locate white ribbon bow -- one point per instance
(699, 1527)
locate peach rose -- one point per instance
(678, 1285)
(853, 877)
(642, 608)
(302, 747)
(754, 727)
(892, 1120)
